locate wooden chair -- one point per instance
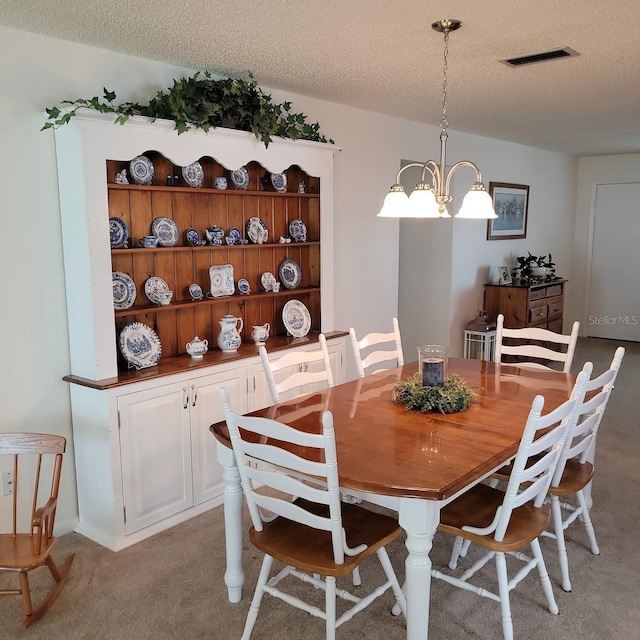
(376, 350)
(542, 350)
(307, 527)
(296, 369)
(23, 552)
(575, 468)
(505, 522)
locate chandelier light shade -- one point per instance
(431, 195)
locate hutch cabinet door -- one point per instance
(155, 449)
(206, 409)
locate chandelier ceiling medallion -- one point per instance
(430, 199)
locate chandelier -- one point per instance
(431, 195)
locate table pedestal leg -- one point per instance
(234, 575)
(419, 519)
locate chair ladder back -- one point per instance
(292, 475)
(532, 472)
(391, 344)
(537, 351)
(301, 359)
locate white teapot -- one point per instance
(197, 348)
(229, 338)
(260, 333)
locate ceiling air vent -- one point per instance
(541, 57)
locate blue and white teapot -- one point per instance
(197, 348)
(229, 338)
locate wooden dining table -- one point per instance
(408, 461)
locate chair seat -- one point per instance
(576, 476)
(477, 508)
(311, 549)
(20, 552)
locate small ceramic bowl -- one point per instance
(163, 298)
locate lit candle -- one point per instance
(433, 372)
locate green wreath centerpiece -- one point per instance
(454, 395)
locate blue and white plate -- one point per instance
(236, 234)
(257, 231)
(221, 280)
(279, 181)
(166, 230)
(290, 273)
(193, 174)
(195, 291)
(140, 345)
(153, 286)
(118, 233)
(244, 286)
(124, 290)
(298, 231)
(296, 318)
(141, 170)
(193, 237)
(240, 178)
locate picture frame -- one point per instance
(505, 275)
(511, 204)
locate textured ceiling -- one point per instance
(383, 56)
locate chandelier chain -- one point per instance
(444, 124)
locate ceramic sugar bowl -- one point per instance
(197, 348)
(260, 333)
(229, 338)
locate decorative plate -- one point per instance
(240, 178)
(193, 237)
(118, 233)
(124, 290)
(236, 234)
(279, 181)
(141, 170)
(268, 280)
(244, 286)
(193, 174)
(298, 231)
(153, 286)
(140, 345)
(195, 291)
(296, 318)
(257, 231)
(222, 280)
(290, 273)
(166, 230)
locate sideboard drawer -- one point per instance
(555, 290)
(555, 307)
(538, 313)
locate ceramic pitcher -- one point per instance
(260, 333)
(229, 338)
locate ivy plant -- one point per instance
(454, 395)
(202, 102)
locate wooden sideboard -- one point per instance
(527, 305)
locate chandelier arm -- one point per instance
(454, 168)
(432, 167)
(407, 166)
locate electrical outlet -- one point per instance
(6, 483)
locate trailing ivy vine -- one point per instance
(202, 102)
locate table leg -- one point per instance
(234, 575)
(419, 519)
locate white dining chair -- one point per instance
(505, 522)
(377, 351)
(317, 538)
(539, 345)
(296, 370)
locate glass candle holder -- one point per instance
(432, 364)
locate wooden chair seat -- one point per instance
(310, 549)
(477, 508)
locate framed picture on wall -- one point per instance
(511, 204)
(505, 275)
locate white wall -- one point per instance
(38, 72)
(593, 171)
